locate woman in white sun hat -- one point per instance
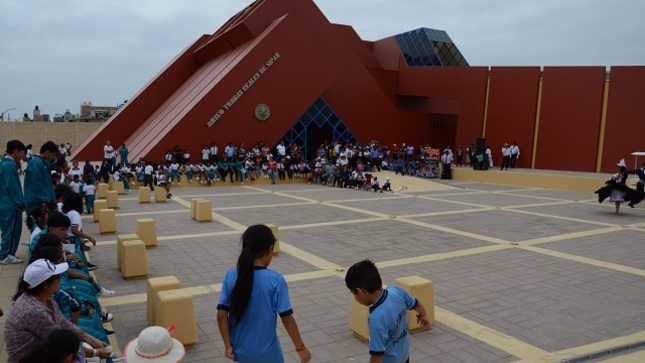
(154, 344)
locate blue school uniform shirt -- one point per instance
(11, 197)
(38, 183)
(254, 338)
(388, 323)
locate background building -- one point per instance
(279, 70)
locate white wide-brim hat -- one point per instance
(154, 344)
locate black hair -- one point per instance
(73, 201)
(46, 241)
(60, 190)
(33, 219)
(363, 275)
(58, 219)
(13, 145)
(52, 253)
(60, 343)
(28, 147)
(257, 240)
(49, 146)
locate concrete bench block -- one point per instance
(423, 290)
(147, 231)
(98, 205)
(177, 307)
(112, 199)
(110, 183)
(203, 211)
(101, 190)
(144, 195)
(160, 195)
(119, 187)
(276, 234)
(135, 262)
(193, 208)
(107, 224)
(358, 314)
(119, 246)
(155, 285)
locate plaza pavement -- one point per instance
(520, 274)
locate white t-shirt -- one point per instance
(89, 189)
(205, 153)
(76, 186)
(75, 219)
(149, 169)
(281, 149)
(36, 231)
(108, 152)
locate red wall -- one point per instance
(512, 104)
(467, 85)
(570, 118)
(625, 127)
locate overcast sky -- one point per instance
(57, 54)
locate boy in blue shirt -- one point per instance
(388, 321)
(12, 202)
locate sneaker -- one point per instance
(106, 293)
(86, 248)
(106, 318)
(169, 196)
(117, 358)
(24, 243)
(108, 332)
(10, 260)
(91, 266)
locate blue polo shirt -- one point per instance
(388, 322)
(254, 338)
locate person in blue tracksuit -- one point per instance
(12, 202)
(38, 179)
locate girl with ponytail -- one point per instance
(251, 297)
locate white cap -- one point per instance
(40, 270)
(154, 344)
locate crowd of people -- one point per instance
(56, 312)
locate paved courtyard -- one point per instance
(520, 274)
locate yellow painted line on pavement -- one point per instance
(545, 204)
(180, 236)
(588, 261)
(492, 337)
(454, 231)
(628, 358)
(566, 236)
(307, 257)
(440, 256)
(563, 218)
(588, 349)
(439, 199)
(328, 224)
(432, 214)
(216, 217)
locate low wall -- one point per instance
(572, 181)
(36, 133)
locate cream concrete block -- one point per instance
(358, 314)
(177, 307)
(193, 208)
(119, 187)
(160, 195)
(119, 246)
(203, 211)
(276, 234)
(423, 290)
(135, 260)
(110, 183)
(107, 223)
(101, 190)
(112, 199)
(147, 231)
(98, 205)
(155, 285)
(144, 195)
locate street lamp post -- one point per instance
(5, 111)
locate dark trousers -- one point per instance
(513, 160)
(505, 162)
(447, 174)
(147, 181)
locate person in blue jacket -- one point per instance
(12, 202)
(38, 179)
